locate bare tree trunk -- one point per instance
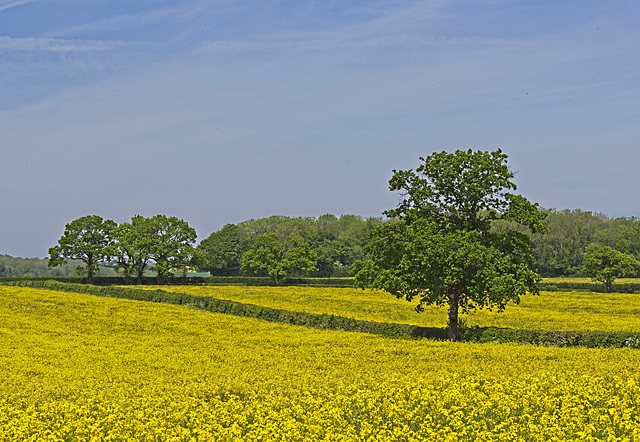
(89, 262)
(454, 298)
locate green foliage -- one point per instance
(167, 242)
(133, 246)
(626, 287)
(560, 251)
(442, 249)
(221, 252)
(279, 258)
(604, 264)
(86, 239)
(173, 247)
(338, 242)
(33, 267)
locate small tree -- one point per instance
(133, 246)
(440, 246)
(173, 244)
(87, 239)
(604, 264)
(279, 259)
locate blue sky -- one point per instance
(221, 111)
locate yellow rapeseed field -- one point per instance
(568, 311)
(77, 367)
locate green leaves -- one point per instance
(166, 241)
(222, 252)
(279, 258)
(173, 248)
(87, 239)
(441, 248)
(604, 264)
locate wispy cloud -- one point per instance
(112, 24)
(6, 4)
(171, 16)
(57, 45)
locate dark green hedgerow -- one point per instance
(333, 322)
(619, 287)
(191, 280)
(559, 286)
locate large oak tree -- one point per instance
(439, 245)
(87, 239)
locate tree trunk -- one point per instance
(454, 298)
(89, 270)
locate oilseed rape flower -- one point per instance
(77, 367)
(553, 311)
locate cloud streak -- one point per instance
(8, 4)
(57, 45)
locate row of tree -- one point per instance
(560, 251)
(163, 243)
(339, 242)
(277, 246)
(14, 266)
(336, 242)
(331, 244)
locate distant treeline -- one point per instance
(337, 241)
(341, 241)
(560, 251)
(10, 266)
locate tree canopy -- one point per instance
(605, 264)
(86, 239)
(174, 244)
(440, 247)
(338, 242)
(133, 246)
(165, 242)
(279, 258)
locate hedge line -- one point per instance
(332, 322)
(192, 280)
(591, 339)
(310, 282)
(589, 287)
(321, 321)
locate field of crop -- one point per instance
(569, 311)
(78, 367)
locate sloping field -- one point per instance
(562, 311)
(77, 367)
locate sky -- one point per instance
(220, 111)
